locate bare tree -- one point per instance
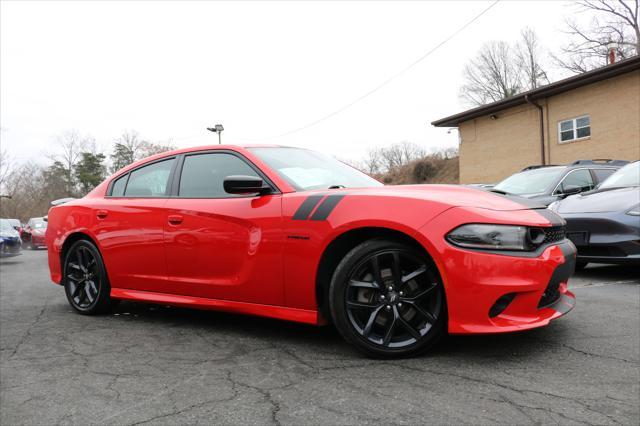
(614, 25)
(373, 161)
(130, 147)
(397, 155)
(149, 148)
(528, 56)
(5, 171)
(492, 75)
(70, 146)
(501, 70)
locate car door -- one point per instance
(130, 226)
(219, 245)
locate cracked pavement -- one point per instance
(147, 364)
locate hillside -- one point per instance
(429, 169)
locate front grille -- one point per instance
(553, 234)
(601, 251)
(550, 295)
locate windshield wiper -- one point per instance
(336, 186)
(499, 191)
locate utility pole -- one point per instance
(217, 129)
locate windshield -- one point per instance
(305, 169)
(536, 181)
(629, 175)
(5, 225)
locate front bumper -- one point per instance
(537, 288)
(10, 247)
(605, 237)
(499, 292)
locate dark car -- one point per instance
(9, 239)
(604, 224)
(33, 235)
(547, 184)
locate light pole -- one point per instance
(217, 129)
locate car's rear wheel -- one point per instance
(85, 279)
(387, 299)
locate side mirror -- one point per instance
(571, 190)
(245, 185)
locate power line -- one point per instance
(384, 83)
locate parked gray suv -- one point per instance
(547, 184)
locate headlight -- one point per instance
(492, 237)
(634, 211)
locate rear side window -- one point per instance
(117, 189)
(602, 174)
(149, 181)
(203, 174)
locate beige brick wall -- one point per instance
(614, 108)
(491, 150)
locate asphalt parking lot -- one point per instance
(159, 365)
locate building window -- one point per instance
(576, 128)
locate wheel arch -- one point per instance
(72, 238)
(335, 251)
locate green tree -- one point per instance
(90, 171)
(56, 181)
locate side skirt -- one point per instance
(270, 311)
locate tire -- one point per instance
(404, 316)
(85, 279)
(581, 265)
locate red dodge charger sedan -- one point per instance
(293, 234)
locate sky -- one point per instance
(170, 69)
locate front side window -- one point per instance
(576, 128)
(149, 181)
(203, 174)
(581, 178)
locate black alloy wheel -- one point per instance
(85, 279)
(388, 299)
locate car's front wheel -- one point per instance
(387, 299)
(85, 279)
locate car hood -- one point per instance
(452, 195)
(601, 201)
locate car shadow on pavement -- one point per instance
(316, 341)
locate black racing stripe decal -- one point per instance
(324, 210)
(552, 217)
(307, 207)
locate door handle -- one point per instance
(175, 219)
(102, 214)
